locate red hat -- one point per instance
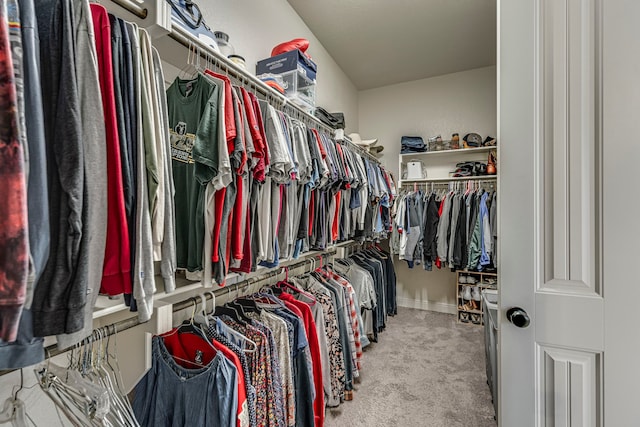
(301, 44)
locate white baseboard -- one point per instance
(439, 307)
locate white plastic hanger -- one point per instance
(13, 411)
(202, 317)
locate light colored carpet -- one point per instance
(425, 371)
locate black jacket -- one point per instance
(430, 231)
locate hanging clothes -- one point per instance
(95, 193)
(60, 296)
(192, 112)
(203, 394)
(273, 358)
(455, 229)
(116, 278)
(14, 241)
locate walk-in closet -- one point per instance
(304, 214)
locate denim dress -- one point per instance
(170, 395)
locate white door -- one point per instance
(569, 164)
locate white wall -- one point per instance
(255, 27)
(461, 102)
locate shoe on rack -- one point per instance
(476, 293)
(461, 173)
(479, 169)
(462, 279)
(464, 317)
(489, 141)
(475, 318)
(492, 163)
(455, 141)
(472, 280)
(467, 293)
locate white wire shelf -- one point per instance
(445, 152)
(447, 179)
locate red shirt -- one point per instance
(312, 208)
(229, 118)
(256, 136)
(336, 217)
(323, 152)
(263, 136)
(237, 240)
(243, 408)
(116, 278)
(344, 163)
(192, 351)
(314, 348)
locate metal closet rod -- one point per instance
(361, 150)
(233, 70)
(133, 7)
(258, 85)
(132, 322)
(432, 184)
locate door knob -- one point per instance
(518, 317)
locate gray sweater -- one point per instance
(59, 299)
(143, 278)
(168, 259)
(94, 214)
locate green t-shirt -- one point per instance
(193, 126)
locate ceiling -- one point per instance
(382, 42)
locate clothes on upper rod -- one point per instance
(272, 186)
(236, 184)
(453, 229)
(276, 358)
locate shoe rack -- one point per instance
(469, 287)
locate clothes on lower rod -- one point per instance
(273, 358)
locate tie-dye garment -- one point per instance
(14, 259)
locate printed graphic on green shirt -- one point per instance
(182, 143)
